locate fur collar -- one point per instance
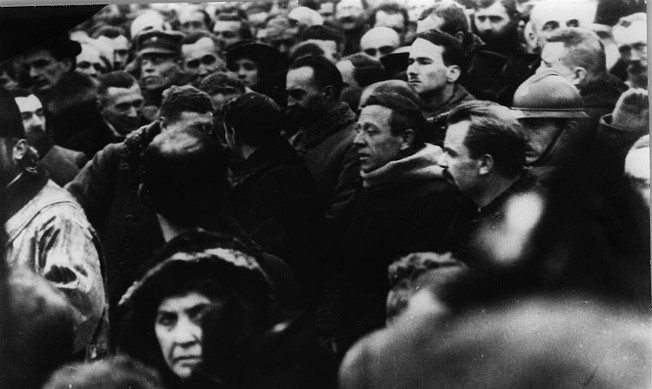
(73, 90)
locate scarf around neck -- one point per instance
(421, 165)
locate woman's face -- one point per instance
(246, 70)
(178, 330)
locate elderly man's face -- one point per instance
(31, 111)
(374, 141)
(158, 71)
(178, 329)
(632, 45)
(550, 15)
(349, 14)
(201, 58)
(379, 41)
(44, 71)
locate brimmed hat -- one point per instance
(159, 42)
(11, 122)
(263, 54)
(548, 95)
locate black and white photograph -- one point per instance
(325, 194)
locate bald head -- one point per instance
(549, 15)
(379, 41)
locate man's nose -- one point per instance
(38, 121)
(146, 66)
(358, 140)
(443, 160)
(186, 333)
(33, 72)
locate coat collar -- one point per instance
(421, 165)
(332, 122)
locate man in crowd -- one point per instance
(89, 61)
(435, 66)
(115, 38)
(107, 189)
(547, 16)
(551, 111)
(379, 41)
(484, 157)
(349, 14)
(46, 230)
(630, 34)
(229, 29)
(330, 40)
(359, 71)
(193, 19)
(280, 34)
(324, 125)
(404, 205)
(159, 54)
(61, 164)
(393, 16)
(579, 56)
(201, 56)
(121, 102)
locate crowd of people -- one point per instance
(329, 193)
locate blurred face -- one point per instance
(327, 11)
(192, 21)
(201, 59)
(189, 120)
(554, 56)
(329, 48)
(374, 140)
(346, 68)
(426, 71)
(540, 135)
(246, 70)
(632, 45)
(394, 21)
(89, 62)
(31, 111)
(121, 108)
(491, 21)
(349, 14)
(459, 167)
(43, 70)
(158, 71)
(378, 42)
(227, 32)
(219, 99)
(177, 328)
(120, 47)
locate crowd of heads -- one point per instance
(561, 91)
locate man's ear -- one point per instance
(163, 122)
(20, 149)
(329, 92)
(453, 73)
(579, 75)
(460, 36)
(486, 164)
(407, 139)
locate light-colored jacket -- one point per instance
(51, 236)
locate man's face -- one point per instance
(201, 58)
(632, 44)
(227, 33)
(329, 47)
(459, 167)
(120, 46)
(492, 22)
(121, 107)
(327, 11)
(89, 62)
(395, 21)
(349, 14)
(374, 141)
(548, 16)
(189, 120)
(426, 71)
(178, 330)
(44, 70)
(305, 100)
(158, 71)
(192, 22)
(554, 56)
(378, 42)
(539, 134)
(31, 111)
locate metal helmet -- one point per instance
(548, 94)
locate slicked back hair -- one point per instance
(325, 72)
(406, 115)
(493, 130)
(452, 54)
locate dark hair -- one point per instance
(585, 49)
(366, 70)
(221, 82)
(245, 28)
(20, 92)
(195, 36)
(305, 49)
(258, 129)
(117, 79)
(179, 99)
(511, 6)
(323, 33)
(389, 8)
(495, 131)
(453, 16)
(111, 32)
(453, 53)
(326, 73)
(406, 115)
(207, 19)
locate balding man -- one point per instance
(549, 15)
(379, 41)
